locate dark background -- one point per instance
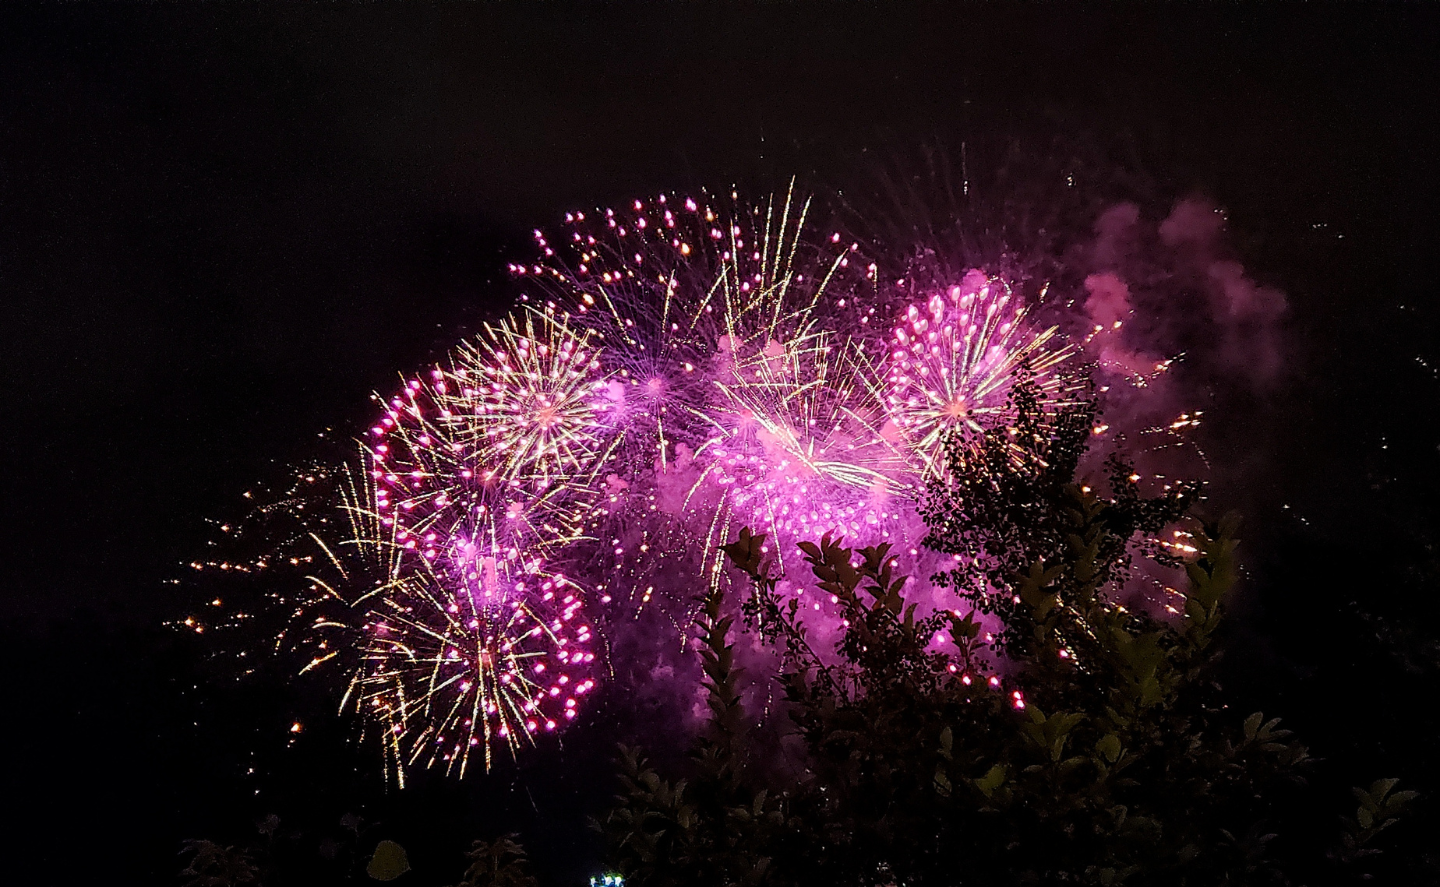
(222, 226)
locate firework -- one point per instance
(953, 360)
(673, 285)
(461, 472)
(797, 443)
(529, 397)
(697, 304)
(454, 661)
(679, 368)
(479, 482)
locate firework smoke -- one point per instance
(677, 369)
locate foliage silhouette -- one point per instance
(213, 865)
(1059, 727)
(1088, 743)
(498, 863)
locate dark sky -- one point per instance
(222, 226)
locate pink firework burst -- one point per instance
(952, 362)
(475, 637)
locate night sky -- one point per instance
(222, 227)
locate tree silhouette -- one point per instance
(1088, 742)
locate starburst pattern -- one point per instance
(677, 369)
(953, 360)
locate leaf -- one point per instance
(1143, 828)
(992, 780)
(1109, 747)
(388, 862)
(1381, 787)
(942, 781)
(1252, 725)
(745, 551)
(1400, 799)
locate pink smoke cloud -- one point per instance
(1178, 283)
(1193, 221)
(1108, 307)
(1115, 235)
(1109, 300)
(1246, 314)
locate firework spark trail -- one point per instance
(680, 381)
(529, 397)
(479, 478)
(494, 458)
(685, 296)
(796, 444)
(682, 369)
(671, 284)
(449, 673)
(953, 359)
